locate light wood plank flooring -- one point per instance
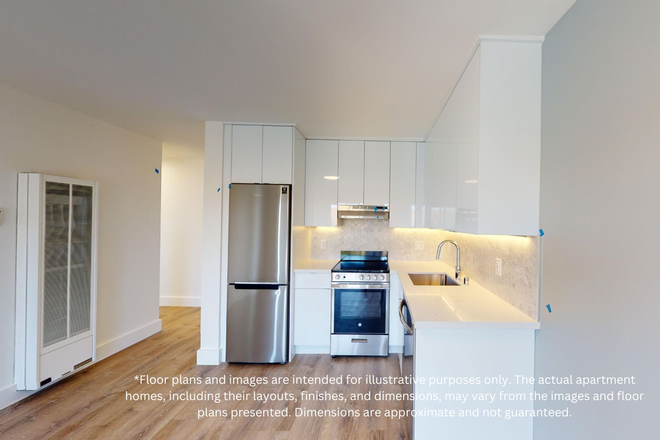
(92, 404)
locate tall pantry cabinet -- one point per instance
(55, 278)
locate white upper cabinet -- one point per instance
(402, 184)
(298, 208)
(420, 184)
(246, 151)
(277, 154)
(441, 175)
(351, 173)
(262, 154)
(377, 173)
(493, 120)
(466, 188)
(321, 183)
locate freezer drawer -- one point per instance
(257, 324)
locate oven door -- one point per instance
(360, 308)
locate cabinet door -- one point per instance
(441, 162)
(396, 294)
(467, 185)
(321, 181)
(312, 317)
(420, 183)
(351, 173)
(246, 153)
(298, 208)
(402, 184)
(377, 173)
(277, 155)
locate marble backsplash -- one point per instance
(518, 284)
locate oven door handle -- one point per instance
(403, 319)
(344, 286)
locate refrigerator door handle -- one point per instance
(256, 286)
(283, 239)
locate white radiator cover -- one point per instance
(55, 278)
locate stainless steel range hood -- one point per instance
(363, 212)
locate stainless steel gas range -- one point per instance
(360, 304)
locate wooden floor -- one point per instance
(92, 404)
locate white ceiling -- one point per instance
(336, 68)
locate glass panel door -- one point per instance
(360, 311)
(56, 262)
(80, 290)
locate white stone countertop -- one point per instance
(314, 265)
(451, 307)
(470, 306)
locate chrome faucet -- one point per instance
(458, 255)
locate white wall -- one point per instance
(600, 212)
(216, 166)
(39, 136)
(182, 199)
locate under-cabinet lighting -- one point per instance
(331, 177)
(471, 181)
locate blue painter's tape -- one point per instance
(375, 209)
(218, 189)
(541, 233)
(549, 308)
(230, 186)
(157, 170)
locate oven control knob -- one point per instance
(368, 277)
(337, 276)
(382, 277)
(361, 277)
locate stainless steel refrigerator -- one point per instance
(258, 273)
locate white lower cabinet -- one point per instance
(477, 353)
(312, 321)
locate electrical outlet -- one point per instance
(323, 244)
(419, 245)
(498, 267)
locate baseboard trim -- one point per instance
(396, 349)
(9, 396)
(312, 349)
(180, 301)
(124, 341)
(209, 356)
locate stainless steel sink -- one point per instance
(432, 279)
